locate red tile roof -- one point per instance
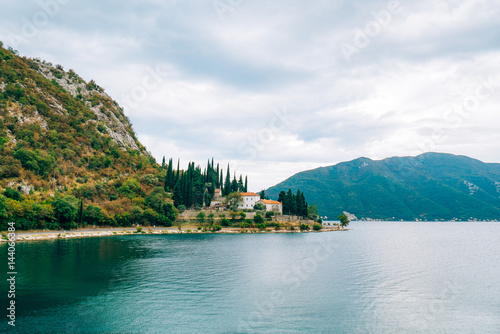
(249, 194)
(268, 201)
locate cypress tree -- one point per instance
(234, 184)
(227, 183)
(246, 184)
(241, 187)
(177, 196)
(80, 212)
(217, 178)
(298, 204)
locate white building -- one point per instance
(273, 206)
(248, 200)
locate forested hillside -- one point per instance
(69, 155)
(427, 187)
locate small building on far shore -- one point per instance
(273, 206)
(248, 200)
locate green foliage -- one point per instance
(304, 227)
(344, 221)
(225, 222)
(200, 217)
(262, 226)
(317, 227)
(92, 215)
(258, 219)
(12, 193)
(37, 161)
(149, 179)
(312, 212)
(269, 214)
(427, 187)
(259, 207)
(293, 204)
(65, 211)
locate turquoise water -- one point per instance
(376, 278)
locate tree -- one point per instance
(227, 183)
(207, 198)
(241, 186)
(246, 184)
(304, 227)
(242, 215)
(312, 212)
(200, 217)
(232, 200)
(80, 212)
(344, 221)
(262, 194)
(234, 184)
(65, 212)
(12, 193)
(258, 219)
(233, 215)
(177, 196)
(259, 207)
(93, 215)
(211, 218)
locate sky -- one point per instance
(278, 87)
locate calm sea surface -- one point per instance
(376, 278)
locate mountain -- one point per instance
(427, 187)
(64, 145)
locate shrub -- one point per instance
(269, 214)
(258, 219)
(259, 207)
(304, 227)
(11, 193)
(225, 222)
(317, 227)
(200, 217)
(65, 211)
(181, 208)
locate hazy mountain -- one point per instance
(429, 186)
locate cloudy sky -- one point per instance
(277, 87)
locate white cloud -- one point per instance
(223, 81)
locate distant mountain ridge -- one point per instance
(428, 187)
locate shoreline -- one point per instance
(117, 231)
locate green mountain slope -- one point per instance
(430, 186)
(68, 154)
